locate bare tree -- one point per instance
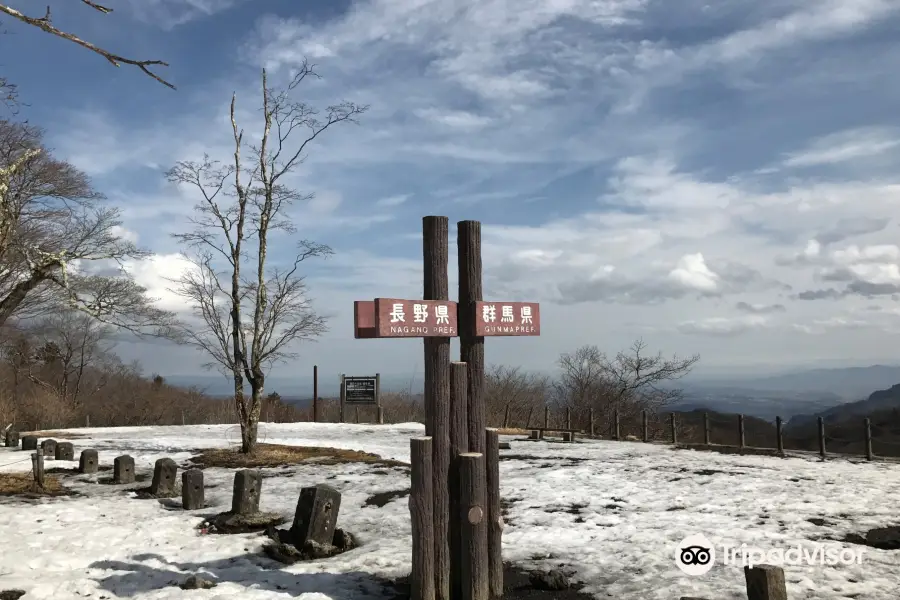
(53, 227)
(511, 395)
(627, 383)
(246, 323)
(73, 347)
(45, 23)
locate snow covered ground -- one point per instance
(613, 512)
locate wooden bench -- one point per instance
(537, 433)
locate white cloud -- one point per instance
(156, 274)
(693, 273)
(392, 201)
(845, 146)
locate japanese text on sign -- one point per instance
(507, 318)
(415, 318)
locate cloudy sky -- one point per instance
(716, 177)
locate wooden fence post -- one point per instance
(421, 510)
(546, 417)
(315, 406)
(706, 429)
(343, 398)
(591, 421)
(765, 582)
(741, 432)
(616, 432)
(37, 467)
(868, 433)
(644, 431)
(779, 435)
(822, 438)
(459, 444)
(674, 433)
(472, 523)
(494, 516)
(568, 418)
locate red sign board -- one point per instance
(363, 319)
(507, 318)
(415, 318)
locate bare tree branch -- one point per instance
(44, 24)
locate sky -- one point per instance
(716, 178)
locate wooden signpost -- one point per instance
(436, 319)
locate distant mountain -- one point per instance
(881, 400)
(849, 383)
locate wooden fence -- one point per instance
(650, 430)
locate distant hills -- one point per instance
(848, 383)
(792, 395)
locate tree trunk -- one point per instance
(249, 432)
(250, 423)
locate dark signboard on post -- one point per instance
(395, 318)
(360, 390)
(507, 318)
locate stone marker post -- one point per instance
(247, 490)
(123, 469)
(315, 518)
(88, 462)
(164, 472)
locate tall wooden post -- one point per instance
(421, 508)
(568, 418)
(315, 393)
(591, 419)
(546, 417)
(741, 440)
(706, 429)
(343, 397)
(435, 254)
(822, 438)
(616, 425)
(379, 417)
(868, 437)
(459, 444)
(471, 347)
(494, 516)
(779, 435)
(644, 432)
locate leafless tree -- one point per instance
(247, 322)
(45, 23)
(73, 349)
(627, 383)
(511, 395)
(53, 227)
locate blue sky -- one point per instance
(718, 178)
